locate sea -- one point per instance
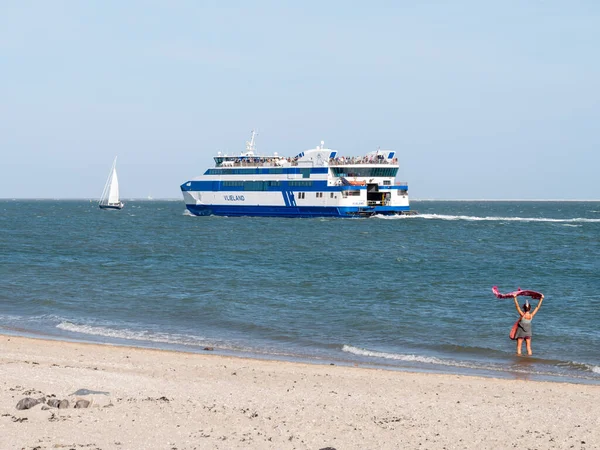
(408, 293)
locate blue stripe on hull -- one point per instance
(291, 211)
(315, 186)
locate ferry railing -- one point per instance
(342, 161)
(290, 162)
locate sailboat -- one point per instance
(110, 194)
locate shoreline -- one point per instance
(515, 372)
(170, 399)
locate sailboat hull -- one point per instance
(117, 206)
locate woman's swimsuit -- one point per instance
(524, 330)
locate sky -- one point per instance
(480, 100)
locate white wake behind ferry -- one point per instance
(314, 183)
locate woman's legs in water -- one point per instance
(519, 345)
(528, 344)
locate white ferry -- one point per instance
(314, 183)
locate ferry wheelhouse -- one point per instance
(314, 183)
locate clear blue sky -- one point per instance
(480, 99)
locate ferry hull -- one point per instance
(298, 211)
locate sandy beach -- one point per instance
(152, 399)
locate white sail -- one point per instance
(113, 191)
(110, 194)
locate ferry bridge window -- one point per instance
(364, 171)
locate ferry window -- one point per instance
(367, 172)
(305, 172)
(331, 195)
(254, 185)
(386, 182)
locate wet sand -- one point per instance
(153, 399)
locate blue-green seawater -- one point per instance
(411, 293)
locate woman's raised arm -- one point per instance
(538, 306)
(517, 306)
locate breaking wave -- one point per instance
(548, 369)
(127, 334)
(401, 357)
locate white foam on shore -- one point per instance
(399, 356)
(462, 364)
(491, 218)
(163, 338)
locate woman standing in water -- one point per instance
(524, 331)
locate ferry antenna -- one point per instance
(250, 145)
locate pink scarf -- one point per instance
(518, 292)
